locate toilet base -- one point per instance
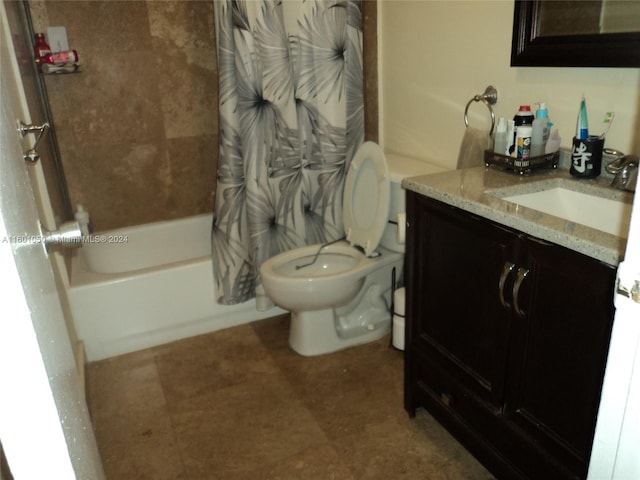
(314, 333)
(364, 319)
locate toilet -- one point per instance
(339, 294)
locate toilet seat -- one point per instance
(366, 198)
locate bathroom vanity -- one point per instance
(509, 314)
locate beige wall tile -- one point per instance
(138, 128)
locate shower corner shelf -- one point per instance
(67, 71)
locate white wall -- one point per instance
(436, 55)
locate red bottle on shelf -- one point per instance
(41, 49)
(62, 58)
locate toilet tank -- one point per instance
(399, 168)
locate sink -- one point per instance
(600, 213)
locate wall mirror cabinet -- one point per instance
(590, 33)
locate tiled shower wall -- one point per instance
(138, 127)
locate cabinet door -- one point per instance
(563, 335)
(457, 319)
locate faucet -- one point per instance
(625, 169)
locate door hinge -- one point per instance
(628, 281)
(632, 292)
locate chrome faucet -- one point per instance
(625, 169)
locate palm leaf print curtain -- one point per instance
(291, 118)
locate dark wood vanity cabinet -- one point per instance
(506, 340)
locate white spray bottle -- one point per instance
(540, 131)
(82, 217)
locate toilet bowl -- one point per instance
(339, 294)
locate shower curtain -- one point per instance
(291, 118)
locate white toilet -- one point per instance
(339, 294)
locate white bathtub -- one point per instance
(142, 286)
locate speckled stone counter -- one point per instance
(480, 190)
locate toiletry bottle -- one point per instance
(540, 131)
(500, 137)
(62, 58)
(41, 49)
(82, 217)
(553, 144)
(523, 141)
(524, 117)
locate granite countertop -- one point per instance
(479, 190)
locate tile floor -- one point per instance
(240, 404)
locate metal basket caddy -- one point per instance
(521, 165)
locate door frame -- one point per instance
(45, 428)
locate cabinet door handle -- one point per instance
(506, 270)
(520, 276)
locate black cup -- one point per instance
(586, 157)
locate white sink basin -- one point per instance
(603, 214)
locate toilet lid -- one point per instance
(366, 198)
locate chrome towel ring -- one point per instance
(489, 97)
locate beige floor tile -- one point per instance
(151, 454)
(403, 449)
(246, 425)
(315, 463)
(350, 389)
(274, 334)
(202, 365)
(131, 421)
(240, 404)
(459, 464)
(120, 379)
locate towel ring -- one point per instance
(489, 97)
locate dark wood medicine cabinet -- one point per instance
(544, 34)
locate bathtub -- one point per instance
(143, 286)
